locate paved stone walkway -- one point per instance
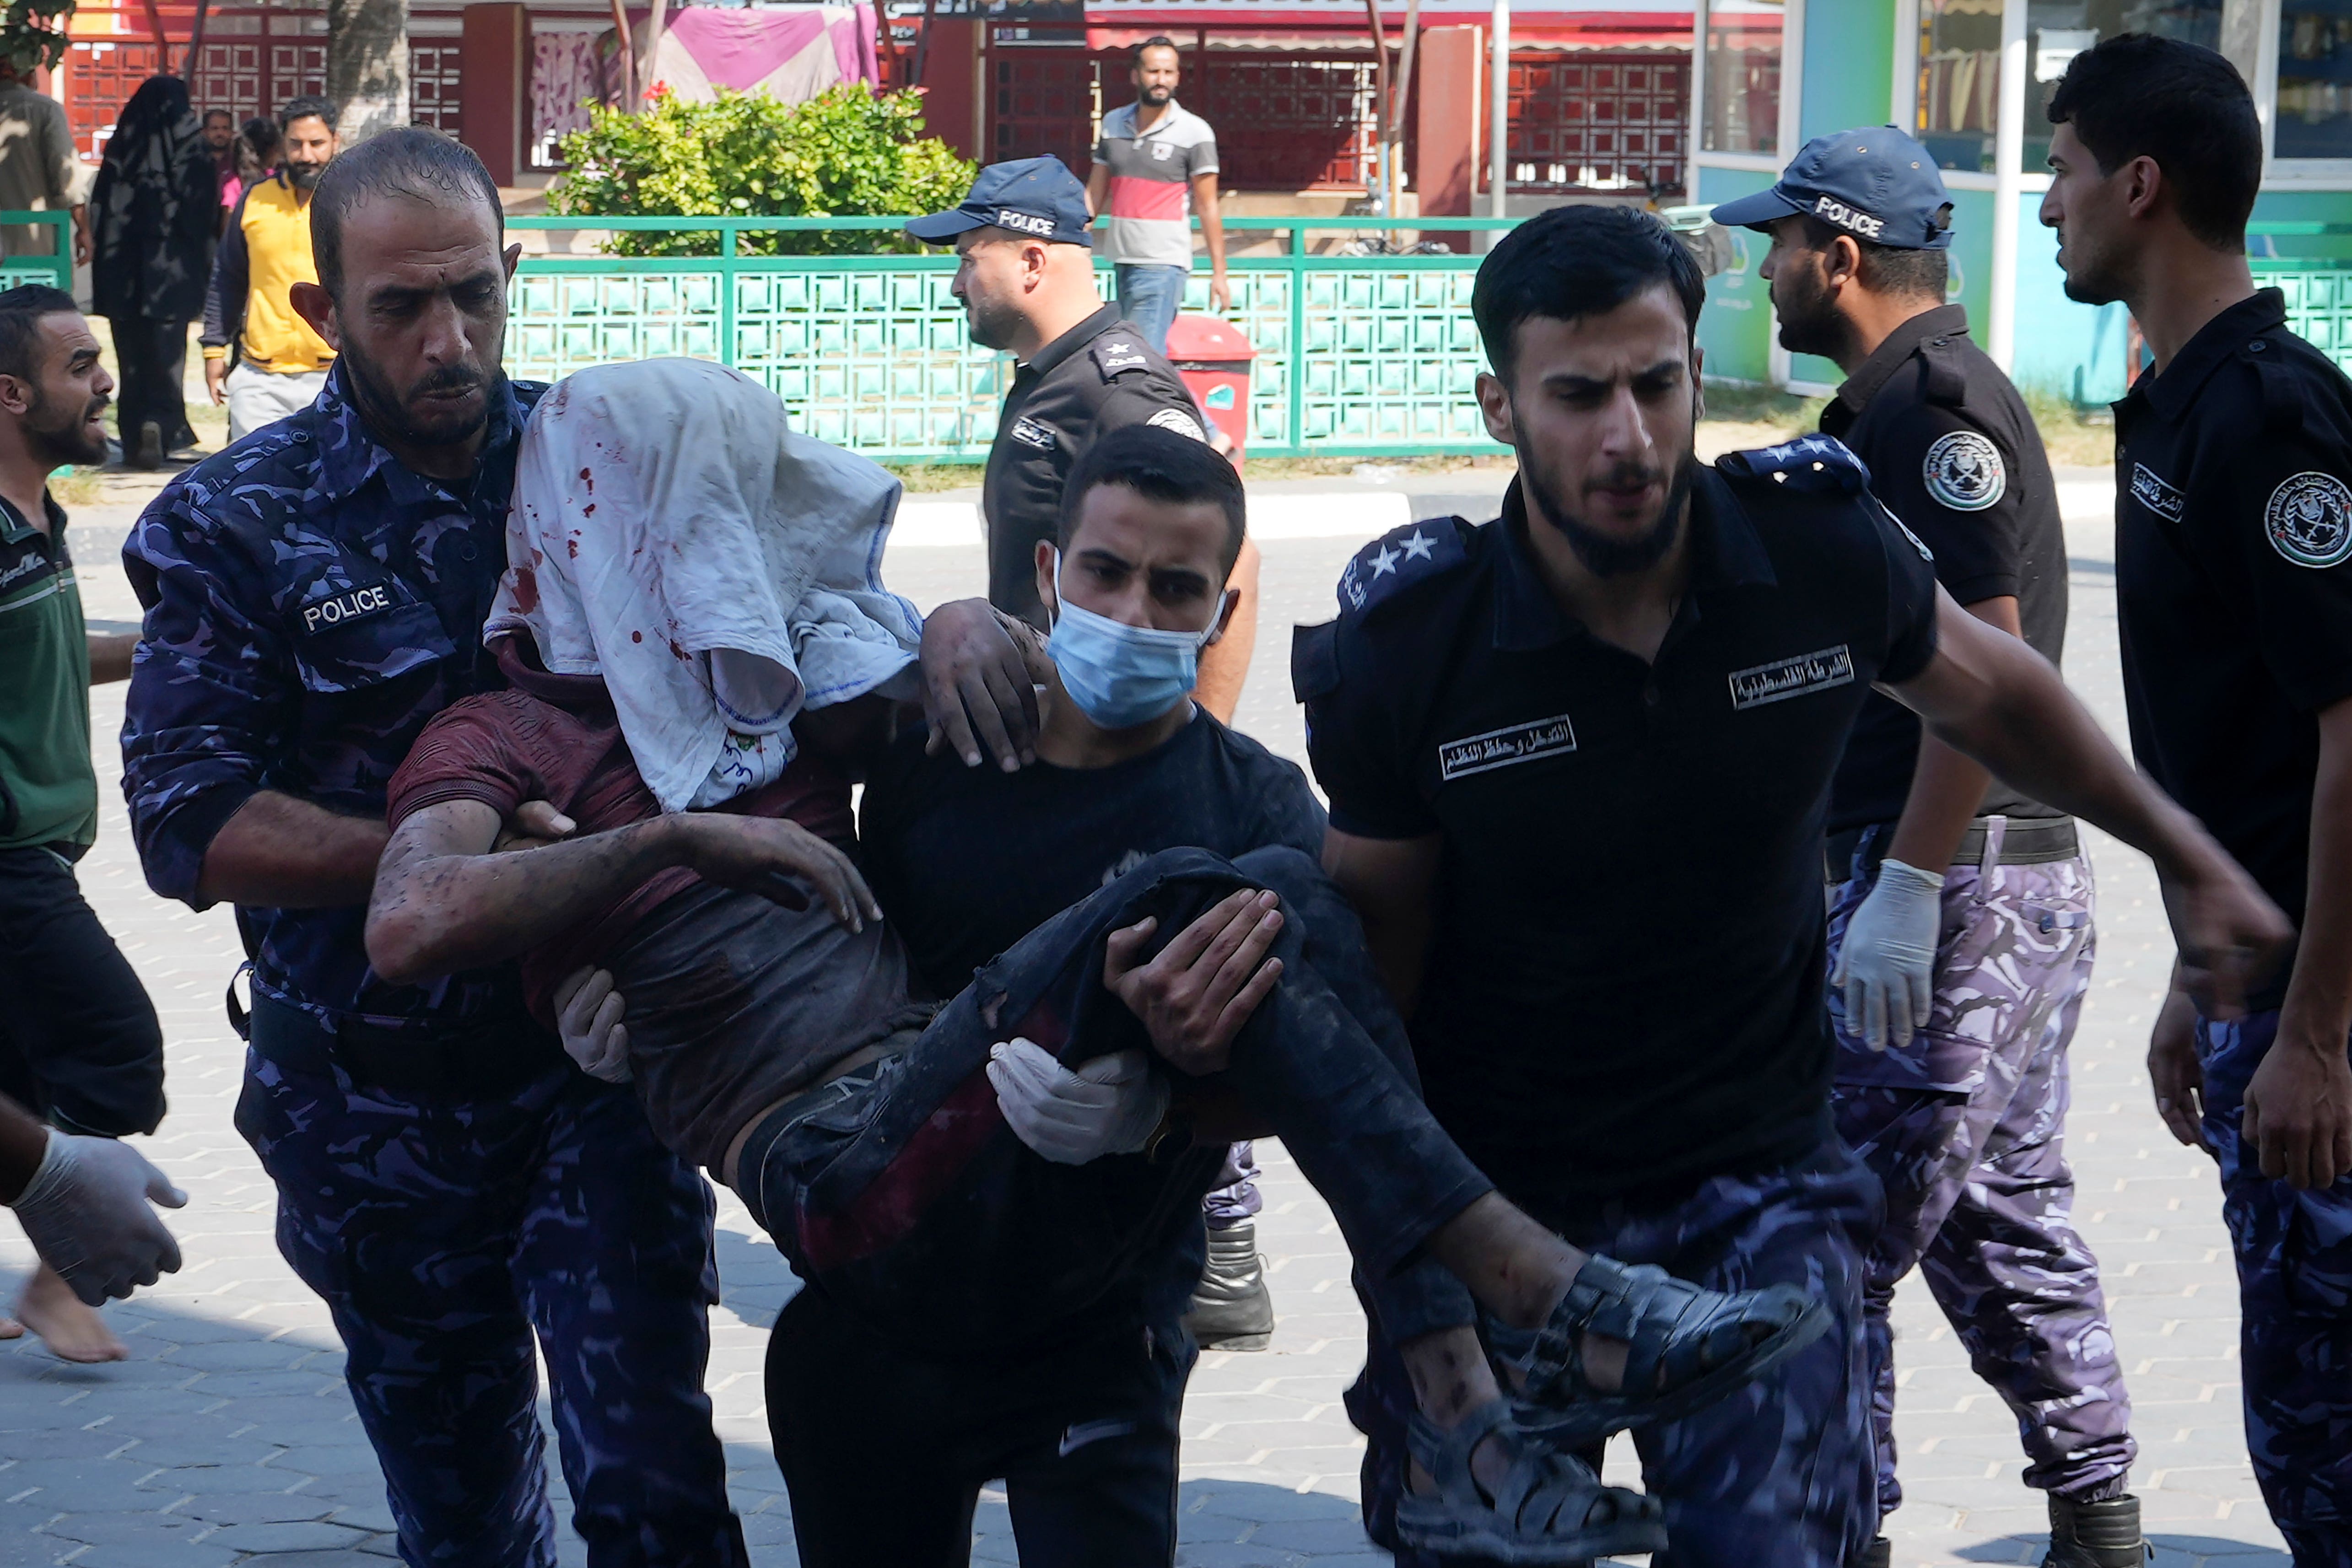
(228, 1438)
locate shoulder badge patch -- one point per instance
(1814, 464)
(1116, 352)
(1404, 555)
(1177, 420)
(2309, 519)
(1029, 432)
(1964, 472)
(2155, 492)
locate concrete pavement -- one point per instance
(228, 1437)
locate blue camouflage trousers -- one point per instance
(1965, 1126)
(444, 1235)
(1778, 1473)
(2294, 1298)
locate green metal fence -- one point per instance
(52, 264)
(2311, 264)
(1357, 355)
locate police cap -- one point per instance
(1874, 182)
(1035, 196)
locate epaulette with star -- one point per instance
(1413, 553)
(1819, 465)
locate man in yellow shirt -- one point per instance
(279, 363)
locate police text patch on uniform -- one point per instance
(1785, 678)
(1964, 471)
(1029, 432)
(357, 604)
(1177, 420)
(1496, 748)
(2159, 496)
(2309, 519)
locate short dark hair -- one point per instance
(407, 161)
(1156, 41)
(307, 107)
(2138, 96)
(1891, 269)
(21, 309)
(1578, 261)
(211, 114)
(1160, 464)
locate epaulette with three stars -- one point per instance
(1414, 553)
(1814, 464)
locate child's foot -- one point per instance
(1627, 1346)
(72, 1331)
(1488, 1489)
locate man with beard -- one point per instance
(1155, 168)
(2234, 532)
(279, 360)
(447, 1182)
(1579, 761)
(1026, 278)
(79, 1043)
(1960, 907)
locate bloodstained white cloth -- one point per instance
(719, 572)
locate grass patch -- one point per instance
(77, 488)
(927, 478)
(1762, 405)
(2075, 437)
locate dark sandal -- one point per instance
(1550, 1509)
(1686, 1347)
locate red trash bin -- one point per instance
(1214, 358)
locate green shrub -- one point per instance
(844, 153)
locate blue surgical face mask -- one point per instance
(1121, 676)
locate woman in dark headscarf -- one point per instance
(153, 214)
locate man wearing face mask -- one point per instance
(261, 357)
(1961, 908)
(1028, 283)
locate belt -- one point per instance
(1989, 842)
(490, 1058)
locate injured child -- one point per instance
(701, 659)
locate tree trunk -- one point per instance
(625, 61)
(367, 65)
(645, 75)
(1381, 179)
(195, 45)
(1403, 96)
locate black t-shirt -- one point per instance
(1097, 376)
(1623, 996)
(968, 860)
(2234, 530)
(1952, 451)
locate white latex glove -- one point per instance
(1887, 966)
(588, 1016)
(86, 1213)
(1109, 1107)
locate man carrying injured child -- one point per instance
(701, 656)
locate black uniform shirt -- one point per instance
(1097, 376)
(1623, 996)
(2233, 527)
(1952, 451)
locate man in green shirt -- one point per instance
(78, 1039)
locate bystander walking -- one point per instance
(155, 204)
(1155, 168)
(37, 168)
(261, 357)
(80, 1043)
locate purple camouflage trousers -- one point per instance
(1965, 1127)
(2295, 1302)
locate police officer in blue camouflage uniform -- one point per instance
(1960, 907)
(2233, 589)
(447, 1182)
(1578, 762)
